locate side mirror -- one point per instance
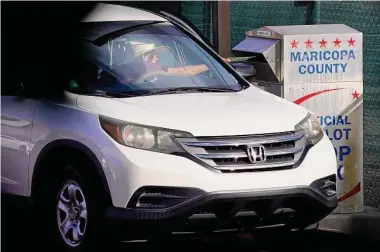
(24, 91)
(244, 69)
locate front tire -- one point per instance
(72, 210)
(72, 213)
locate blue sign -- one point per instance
(311, 59)
(336, 135)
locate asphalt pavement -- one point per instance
(16, 229)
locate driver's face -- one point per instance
(149, 57)
(145, 57)
(155, 58)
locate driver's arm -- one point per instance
(188, 70)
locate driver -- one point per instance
(147, 62)
(151, 62)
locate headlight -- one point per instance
(312, 128)
(143, 137)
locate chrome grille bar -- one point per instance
(246, 141)
(243, 154)
(256, 166)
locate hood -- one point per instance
(251, 111)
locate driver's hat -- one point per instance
(141, 49)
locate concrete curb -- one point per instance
(366, 224)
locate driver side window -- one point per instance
(89, 76)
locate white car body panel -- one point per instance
(151, 168)
(47, 130)
(203, 114)
(16, 128)
(126, 169)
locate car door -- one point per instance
(16, 126)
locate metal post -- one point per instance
(223, 20)
(214, 24)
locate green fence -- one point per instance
(251, 15)
(199, 13)
(363, 16)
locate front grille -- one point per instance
(229, 154)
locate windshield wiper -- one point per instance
(109, 94)
(190, 89)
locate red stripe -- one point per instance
(306, 97)
(351, 193)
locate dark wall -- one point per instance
(38, 33)
(34, 28)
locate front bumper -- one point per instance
(295, 207)
(128, 169)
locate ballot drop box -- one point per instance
(319, 67)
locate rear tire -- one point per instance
(71, 210)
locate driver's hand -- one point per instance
(125, 81)
(188, 70)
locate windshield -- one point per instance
(149, 60)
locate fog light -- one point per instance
(154, 197)
(327, 186)
(329, 192)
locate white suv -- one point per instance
(156, 131)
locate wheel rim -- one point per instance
(72, 213)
